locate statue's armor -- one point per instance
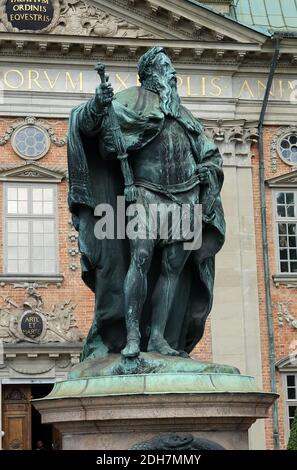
(168, 159)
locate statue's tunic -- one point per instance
(168, 159)
(156, 145)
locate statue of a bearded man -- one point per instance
(150, 293)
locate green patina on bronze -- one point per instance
(146, 363)
(148, 296)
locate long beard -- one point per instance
(166, 87)
(169, 99)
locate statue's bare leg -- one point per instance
(174, 258)
(135, 291)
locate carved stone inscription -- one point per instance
(32, 324)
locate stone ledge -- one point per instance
(288, 280)
(14, 278)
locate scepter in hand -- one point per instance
(130, 191)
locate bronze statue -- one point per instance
(150, 294)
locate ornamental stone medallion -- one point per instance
(31, 322)
(73, 17)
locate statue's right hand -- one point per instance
(104, 95)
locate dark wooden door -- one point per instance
(17, 417)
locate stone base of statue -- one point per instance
(113, 404)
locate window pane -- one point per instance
(37, 266)
(12, 207)
(23, 266)
(12, 266)
(22, 194)
(292, 241)
(283, 254)
(37, 226)
(12, 226)
(293, 254)
(23, 239)
(38, 253)
(23, 226)
(49, 266)
(12, 194)
(292, 411)
(290, 211)
(283, 241)
(289, 198)
(292, 229)
(293, 267)
(284, 267)
(22, 207)
(291, 393)
(281, 211)
(48, 194)
(48, 226)
(49, 253)
(38, 239)
(282, 229)
(12, 239)
(280, 198)
(49, 240)
(12, 252)
(37, 194)
(23, 253)
(37, 208)
(47, 208)
(291, 380)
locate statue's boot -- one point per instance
(160, 345)
(132, 348)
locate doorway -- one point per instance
(41, 434)
(21, 422)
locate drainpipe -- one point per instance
(269, 317)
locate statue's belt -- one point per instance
(169, 190)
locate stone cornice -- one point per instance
(72, 40)
(70, 47)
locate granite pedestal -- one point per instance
(113, 412)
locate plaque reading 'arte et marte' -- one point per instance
(32, 324)
(31, 15)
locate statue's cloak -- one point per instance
(95, 178)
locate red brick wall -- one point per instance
(286, 334)
(72, 287)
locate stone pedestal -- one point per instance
(113, 413)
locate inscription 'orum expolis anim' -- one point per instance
(189, 85)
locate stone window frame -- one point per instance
(30, 217)
(287, 366)
(277, 219)
(289, 402)
(33, 173)
(285, 182)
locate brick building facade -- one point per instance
(223, 63)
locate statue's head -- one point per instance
(156, 73)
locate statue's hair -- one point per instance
(146, 60)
